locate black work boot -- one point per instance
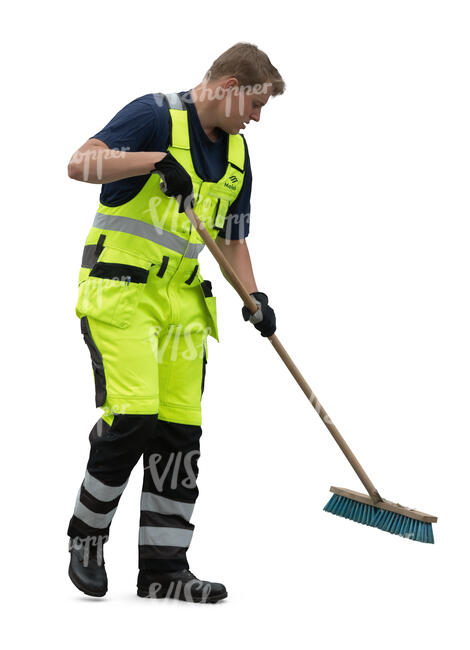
(181, 585)
(86, 568)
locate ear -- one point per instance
(231, 83)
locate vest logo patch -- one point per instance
(234, 180)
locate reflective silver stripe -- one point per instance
(174, 101)
(147, 231)
(160, 536)
(93, 519)
(101, 491)
(162, 505)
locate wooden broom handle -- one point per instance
(282, 352)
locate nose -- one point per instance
(256, 114)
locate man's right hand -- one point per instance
(176, 181)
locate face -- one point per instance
(242, 107)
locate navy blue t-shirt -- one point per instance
(144, 125)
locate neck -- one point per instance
(206, 111)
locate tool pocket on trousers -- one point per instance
(211, 308)
(112, 292)
(96, 362)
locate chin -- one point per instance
(234, 130)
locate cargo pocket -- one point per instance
(205, 209)
(96, 362)
(211, 307)
(112, 291)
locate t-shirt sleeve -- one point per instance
(237, 221)
(134, 128)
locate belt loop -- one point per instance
(193, 275)
(161, 271)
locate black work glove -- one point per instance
(265, 319)
(176, 181)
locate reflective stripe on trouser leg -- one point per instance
(114, 451)
(168, 495)
(100, 495)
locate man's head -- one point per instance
(237, 86)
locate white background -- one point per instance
(359, 236)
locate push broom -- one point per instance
(369, 509)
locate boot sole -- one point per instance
(143, 593)
(88, 592)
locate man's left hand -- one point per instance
(264, 319)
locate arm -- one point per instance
(95, 162)
(237, 253)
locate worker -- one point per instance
(146, 312)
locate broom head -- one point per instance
(390, 517)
